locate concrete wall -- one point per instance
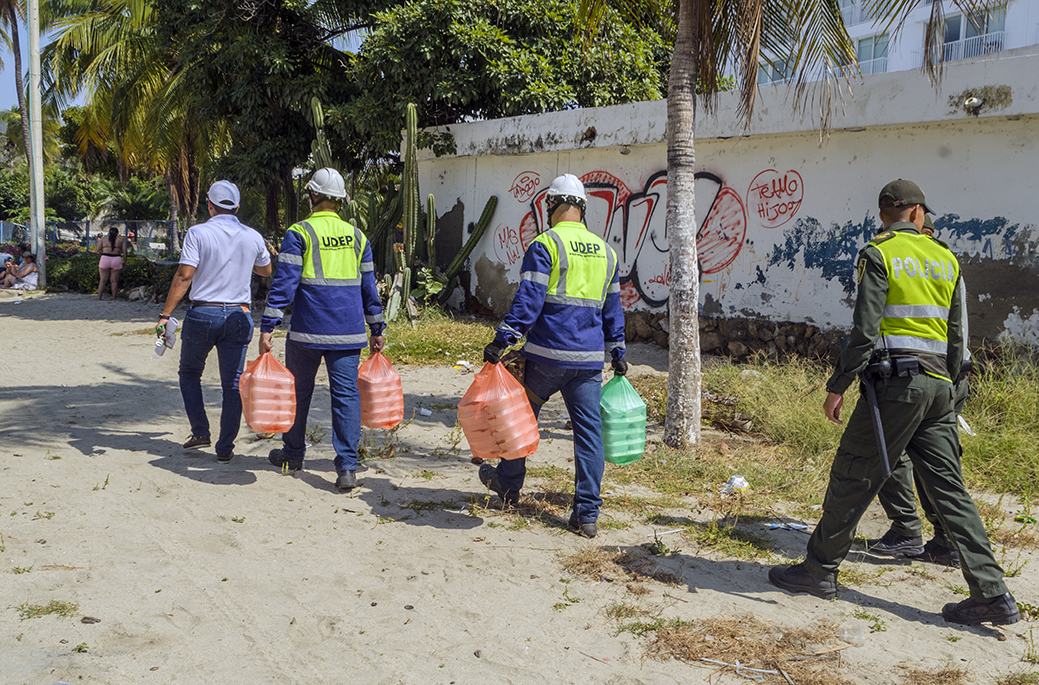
(782, 212)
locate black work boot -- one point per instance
(998, 610)
(896, 545)
(489, 477)
(587, 529)
(278, 458)
(936, 554)
(346, 481)
(797, 580)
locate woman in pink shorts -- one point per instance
(113, 253)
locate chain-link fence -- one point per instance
(151, 239)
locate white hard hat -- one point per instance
(328, 182)
(568, 188)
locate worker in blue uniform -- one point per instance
(325, 271)
(568, 306)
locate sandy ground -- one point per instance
(207, 573)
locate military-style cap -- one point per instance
(902, 193)
(928, 225)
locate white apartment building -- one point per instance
(999, 28)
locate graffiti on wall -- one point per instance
(632, 221)
(775, 197)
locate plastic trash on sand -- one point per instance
(735, 484)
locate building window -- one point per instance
(872, 54)
(966, 37)
(777, 73)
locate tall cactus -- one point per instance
(431, 233)
(409, 187)
(319, 147)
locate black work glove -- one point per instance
(492, 353)
(620, 367)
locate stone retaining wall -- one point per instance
(740, 338)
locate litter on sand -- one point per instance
(735, 483)
(463, 364)
(787, 526)
(424, 412)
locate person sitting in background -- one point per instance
(24, 277)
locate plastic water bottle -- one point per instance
(168, 338)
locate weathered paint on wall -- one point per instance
(781, 217)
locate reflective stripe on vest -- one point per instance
(566, 355)
(576, 278)
(316, 339)
(347, 274)
(921, 277)
(272, 313)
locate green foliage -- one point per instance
(79, 274)
(14, 193)
(1003, 409)
(140, 199)
(462, 59)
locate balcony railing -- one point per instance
(967, 48)
(873, 66)
(855, 14)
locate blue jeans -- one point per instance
(229, 329)
(582, 390)
(341, 365)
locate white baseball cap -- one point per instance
(224, 194)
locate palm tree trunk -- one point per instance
(682, 427)
(19, 85)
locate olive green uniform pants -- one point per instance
(898, 500)
(918, 418)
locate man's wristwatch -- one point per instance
(163, 316)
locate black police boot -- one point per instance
(346, 481)
(489, 477)
(588, 529)
(895, 545)
(797, 580)
(936, 554)
(998, 610)
(277, 458)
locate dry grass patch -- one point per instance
(631, 566)
(809, 656)
(945, 676)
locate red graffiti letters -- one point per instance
(507, 246)
(525, 185)
(632, 222)
(776, 197)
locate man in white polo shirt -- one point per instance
(217, 263)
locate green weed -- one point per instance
(315, 434)
(80, 648)
(876, 624)
(18, 570)
(63, 609)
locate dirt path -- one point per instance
(207, 573)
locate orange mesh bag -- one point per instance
(382, 396)
(496, 417)
(268, 395)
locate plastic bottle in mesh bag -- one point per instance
(496, 417)
(623, 421)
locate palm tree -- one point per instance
(719, 37)
(11, 11)
(16, 132)
(137, 97)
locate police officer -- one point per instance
(568, 305)
(325, 272)
(909, 310)
(896, 496)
